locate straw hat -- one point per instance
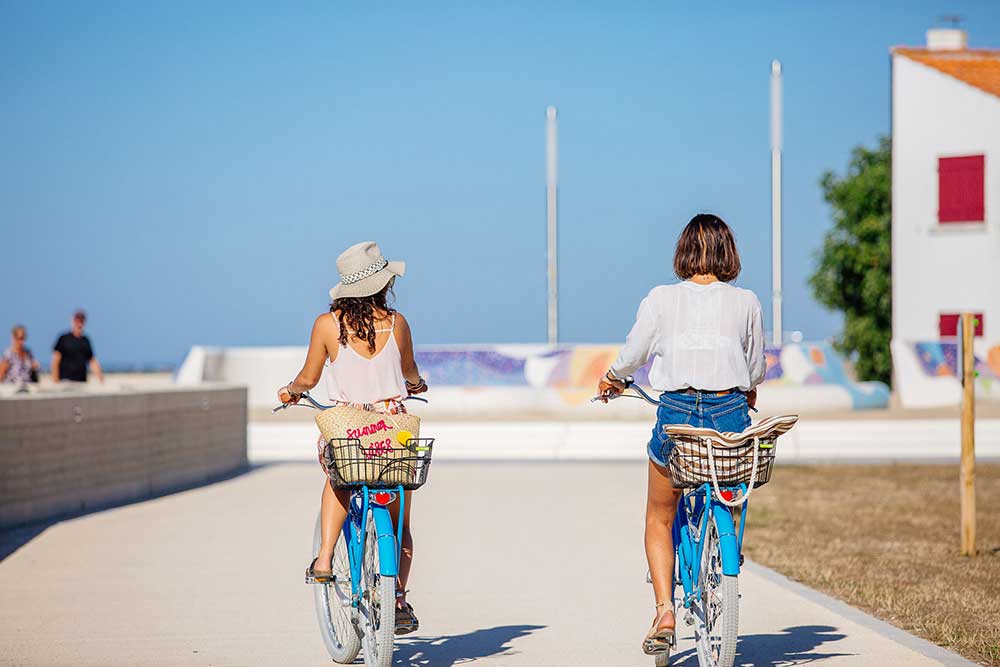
(363, 271)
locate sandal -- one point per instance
(406, 620)
(659, 640)
(314, 576)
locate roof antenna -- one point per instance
(953, 19)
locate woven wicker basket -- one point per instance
(689, 462)
(375, 456)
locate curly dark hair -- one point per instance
(357, 315)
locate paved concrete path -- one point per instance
(517, 564)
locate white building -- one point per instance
(945, 187)
(945, 204)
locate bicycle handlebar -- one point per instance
(316, 405)
(642, 395)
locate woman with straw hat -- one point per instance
(367, 347)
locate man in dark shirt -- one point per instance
(73, 354)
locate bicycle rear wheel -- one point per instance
(377, 611)
(340, 636)
(717, 610)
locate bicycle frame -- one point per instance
(707, 543)
(389, 539)
(693, 512)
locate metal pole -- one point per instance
(776, 103)
(552, 219)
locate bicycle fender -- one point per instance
(386, 536)
(682, 540)
(727, 539)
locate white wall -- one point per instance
(262, 370)
(941, 268)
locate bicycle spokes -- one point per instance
(333, 604)
(376, 609)
(716, 608)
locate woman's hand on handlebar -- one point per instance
(286, 397)
(608, 389)
(416, 388)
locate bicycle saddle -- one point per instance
(766, 429)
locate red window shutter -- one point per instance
(961, 189)
(948, 325)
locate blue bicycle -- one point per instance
(356, 606)
(718, 472)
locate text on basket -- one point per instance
(370, 429)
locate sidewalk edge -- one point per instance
(891, 632)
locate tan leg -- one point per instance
(333, 512)
(661, 506)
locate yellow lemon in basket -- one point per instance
(404, 437)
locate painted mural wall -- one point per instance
(926, 372)
(529, 379)
(572, 369)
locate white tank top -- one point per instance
(352, 378)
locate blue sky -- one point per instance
(188, 172)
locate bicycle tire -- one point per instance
(336, 626)
(377, 613)
(717, 611)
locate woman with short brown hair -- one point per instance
(706, 339)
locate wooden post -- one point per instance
(967, 476)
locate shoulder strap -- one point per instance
(336, 323)
(392, 326)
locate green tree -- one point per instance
(853, 273)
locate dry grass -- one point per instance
(885, 539)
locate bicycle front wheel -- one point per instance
(717, 610)
(333, 610)
(377, 611)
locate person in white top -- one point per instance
(706, 340)
(368, 351)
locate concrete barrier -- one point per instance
(66, 453)
(540, 380)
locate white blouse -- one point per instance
(707, 337)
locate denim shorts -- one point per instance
(728, 412)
